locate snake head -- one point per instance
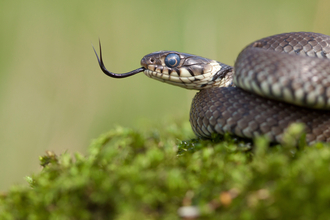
(184, 70)
(180, 69)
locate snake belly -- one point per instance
(281, 69)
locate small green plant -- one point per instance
(129, 174)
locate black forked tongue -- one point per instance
(114, 75)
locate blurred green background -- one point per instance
(53, 96)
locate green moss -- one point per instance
(128, 174)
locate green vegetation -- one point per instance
(131, 175)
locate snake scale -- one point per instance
(276, 81)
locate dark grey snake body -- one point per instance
(227, 109)
(289, 74)
(221, 110)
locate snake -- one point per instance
(275, 82)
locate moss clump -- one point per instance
(130, 175)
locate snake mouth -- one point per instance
(111, 74)
(184, 82)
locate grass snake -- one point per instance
(276, 81)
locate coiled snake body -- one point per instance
(275, 82)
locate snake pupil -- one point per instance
(172, 60)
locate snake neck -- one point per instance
(222, 78)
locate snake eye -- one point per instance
(172, 60)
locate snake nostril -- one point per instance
(147, 61)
